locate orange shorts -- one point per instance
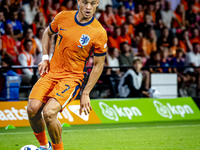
(64, 90)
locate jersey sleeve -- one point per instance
(54, 24)
(100, 46)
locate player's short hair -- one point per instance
(137, 59)
(26, 41)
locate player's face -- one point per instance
(87, 7)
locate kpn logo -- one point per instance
(168, 110)
(115, 112)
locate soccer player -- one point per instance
(62, 78)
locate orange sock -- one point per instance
(57, 146)
(42, 138)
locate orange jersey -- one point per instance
(109, 19)
(9, 43)
(138, 18)
(182, 44)
(195, 40)
(122, 39)
(73, 45)
(176, 24)
(120, 20)
(173, 49)
(185, 4)
(153, 14)
(196, 8)
(112, 42)
(131, 30)
(146, 45)
(47, 13)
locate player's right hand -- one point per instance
(43, 67)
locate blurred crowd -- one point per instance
(149, 34)
(164, 34)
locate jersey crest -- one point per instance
(84, 40)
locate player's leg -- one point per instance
(50, 112)
(34, 110)
(63, 93)
(37, 100)
(36, 121)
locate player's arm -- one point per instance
(43, 66)
(94, 76)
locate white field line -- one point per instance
(128, 128)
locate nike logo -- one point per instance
(68, 87)
(59, 95)
(63, 29)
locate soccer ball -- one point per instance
(29, 147)
(154, 93)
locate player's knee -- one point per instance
(49, 115)
(33, 110)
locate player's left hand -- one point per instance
(85, 104)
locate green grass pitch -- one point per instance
(128, 136)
